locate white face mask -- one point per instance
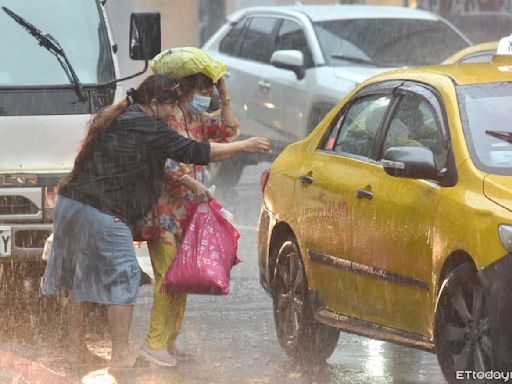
(199, 104)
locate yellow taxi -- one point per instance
(393, 219)
(478, 53)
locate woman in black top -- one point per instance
(116, 179)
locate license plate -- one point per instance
(5, 241)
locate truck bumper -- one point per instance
(27, 242)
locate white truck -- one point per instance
(58, 69)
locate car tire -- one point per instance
(300, 335)
(461, 327)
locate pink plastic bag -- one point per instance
(206, 254)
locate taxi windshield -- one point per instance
(76, 25)
(486, 120)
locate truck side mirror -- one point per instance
(145, 37)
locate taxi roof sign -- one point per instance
(504, 54)
(505, 46)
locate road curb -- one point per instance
(30, 371)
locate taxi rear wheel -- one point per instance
(300, 335)
(462, 330)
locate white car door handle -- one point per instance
(264, 84)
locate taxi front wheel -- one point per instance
(300, 335)
(461, 329)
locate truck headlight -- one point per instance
(505, 232)
(50, 197)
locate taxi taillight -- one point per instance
(264, 179)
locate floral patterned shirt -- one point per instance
(171, 210)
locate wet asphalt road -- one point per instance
(233, 337)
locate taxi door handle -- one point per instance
(364, 194)
(306, 179)
(264, 84)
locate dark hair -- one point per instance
(159, 87)
(189, 83)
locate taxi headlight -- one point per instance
(505, 232)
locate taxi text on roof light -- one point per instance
(504, 54)
(505, 46)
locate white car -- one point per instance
(288, 65)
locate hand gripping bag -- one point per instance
(206, 254)
(186, 61)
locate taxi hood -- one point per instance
(499, 189)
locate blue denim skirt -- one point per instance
(92, 256)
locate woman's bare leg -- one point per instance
(119, 319)
(77, 346)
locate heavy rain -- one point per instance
(375, 236)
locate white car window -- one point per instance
(229, 43)
(339, 45)
(387, 42)
(258, 40)
(291, 36)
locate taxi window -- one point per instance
(355, 131)
(414, 125)
(482, 57)
(485, 116)
(333, 135)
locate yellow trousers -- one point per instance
(168, 309)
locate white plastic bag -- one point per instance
(47, 248)
(224, 212)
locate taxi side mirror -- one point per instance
(410, 162)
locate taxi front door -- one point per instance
(393, 226)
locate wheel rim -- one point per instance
(466, 332)
(289, 296)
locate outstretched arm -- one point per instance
(223, 151)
